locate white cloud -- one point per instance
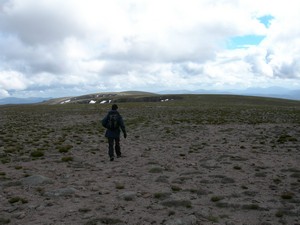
(12, 80)
(4, 93)
(96, 45)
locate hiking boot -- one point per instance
(112, 159)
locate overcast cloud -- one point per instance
(71, 47)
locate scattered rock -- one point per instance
(68, 191)
(36, 180)
(11, 184)
(152, 183)
(162, 179)
(128, 196)
(19, 215)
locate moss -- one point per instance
(162, 195)
(67, 159)
(120, 186)
(2, 173)
(279, 214)
(287, 195)
(5, 160)
(212, 218)
(104, 220)
(64, 148)
(216, 198)
(4, 220)
(286, 138)
(156, 170)
(17, 199)
(251, 207)
(295, 175)
(175, 188)
(37, 153)
(84, 210)
(276, 180)
(237, 167)
(178, 203)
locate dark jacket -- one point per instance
(116, 132)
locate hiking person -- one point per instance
(113, 121)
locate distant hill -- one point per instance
(133, 96)
(108, 97)
(12, 100)
(139, 96)
(273, 92)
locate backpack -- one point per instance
(112, 121)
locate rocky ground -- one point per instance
(55, 168)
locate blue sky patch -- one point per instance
(248, 40)
(244, 41)
(266, 20)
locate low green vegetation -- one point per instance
(162, 195)
(216, 198)
(17, 199)
(286, 138)
(177, 203)
(251, 207)
(156, 170)
(214, 147)
(67, 158)
(2, 174)
(37, 153)
(120, 186)
(287, 195)
(64, 148)
(4, 220)
(236, 167)
(176, 188)
(103, 220)
(279, 213)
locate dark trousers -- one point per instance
(111, 142)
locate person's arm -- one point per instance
(104, 121)
(122, 126)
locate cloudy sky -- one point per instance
(52, 48)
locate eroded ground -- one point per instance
(181, 164)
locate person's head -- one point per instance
(114, 107)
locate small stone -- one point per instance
(35, 180)
(20, 215)
(128, 196)
(61, 192)
(190, 220)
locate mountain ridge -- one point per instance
(107, 97)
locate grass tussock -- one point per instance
(287, 195)
(37, 153)
(4, 220)
(67, 159)
(17, 199)
(216, 198)
(177, 203)
(162, 195)
(65, 148)
(156, 170)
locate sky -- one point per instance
(54, 48)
